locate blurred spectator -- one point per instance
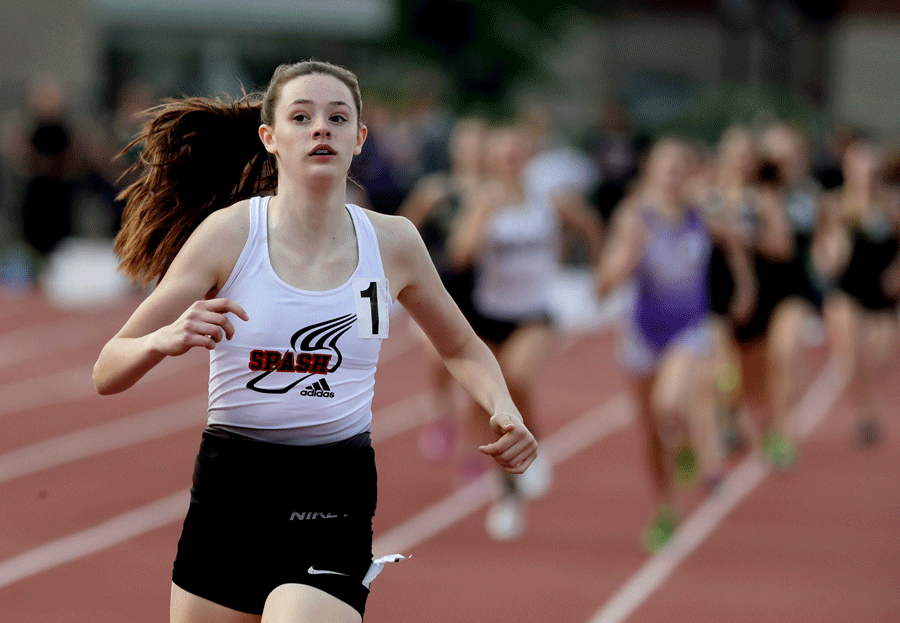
(421, 131)
(46, 208)
(432, 125)
(374, 169)
(56, 180)
(616, 149)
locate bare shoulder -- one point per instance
(228, 224)
(403, 253)
(212, 250)
(396, 234)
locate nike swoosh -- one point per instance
(313, 571)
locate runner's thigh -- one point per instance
(292, 603)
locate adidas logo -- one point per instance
(319, 389)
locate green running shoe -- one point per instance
(779, 450)
(660, 530)
(686, 465)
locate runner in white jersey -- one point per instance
(240, 213)
(517, 264)
(304, 367)
(512, 239)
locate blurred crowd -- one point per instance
(60, 175)
(738, 256)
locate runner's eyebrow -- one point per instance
(308, 101)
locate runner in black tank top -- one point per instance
(796, 292)
(864, 232)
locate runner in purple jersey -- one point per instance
(672, 290)
(660, 243)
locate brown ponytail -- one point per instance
(199, 155)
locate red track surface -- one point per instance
(821, 545)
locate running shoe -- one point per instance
(506, 519)
(437, 440)
(472, 467)
(660, 530)
(728, 379)
(733, 437)
(779, 450)
(535, 482)
(685, 465)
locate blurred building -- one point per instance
(661, 56)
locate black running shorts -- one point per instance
(496, 331)
(264, 514)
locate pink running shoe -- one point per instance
(437, 441)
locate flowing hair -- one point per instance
(200, 155)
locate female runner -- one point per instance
(290, 291)
(510, 238)
(863, 228)
(659, 240)
(798, 289)
(730, 206)
(434, 206)
(749, 213)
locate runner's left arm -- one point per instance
(419, 289)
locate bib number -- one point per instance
(373, 301)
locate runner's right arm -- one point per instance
(180, 313)
(622, 252)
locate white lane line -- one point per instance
(95, 539)
(65, 386)
(60, 336)
(95, 440)
(591, 427)
(588, 429)
(809, 413)
(394, 419)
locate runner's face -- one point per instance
(861, 164)
(507, 153)
(738, 156)
(467, 145)
(316, 131)
(669, 168)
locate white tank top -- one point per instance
(302, 369)
(515, 270)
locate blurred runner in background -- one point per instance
(863, 226)
(660, 242)
(433, 206)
